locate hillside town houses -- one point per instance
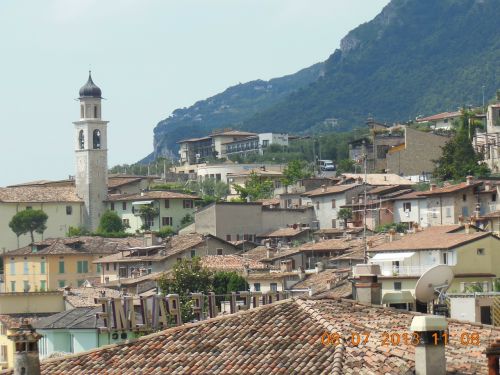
(341, 252)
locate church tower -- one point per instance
(91, 153)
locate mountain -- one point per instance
(415, 58)
(229, 108)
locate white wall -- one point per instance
(418, 213)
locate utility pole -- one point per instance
(365, 255)
(483, 96)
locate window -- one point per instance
(167, 203)
(61, 283)
(465, 211)
(397, 285)
(112, 207)
(187, 203)
(12, 286)
(3, 329)
(82, 111)
(82, 266)
(97, 139)
(12, 266)
(95, 111)
(333, 203)
(448, 211)
(334, 223)
(149, 222)
(42, 267)
(494, 197)
(407, 207)
(256, 286)
(219, 251)
(317, 205)
(107, 266)
(81, 140)
(26, 286)
(464, 197)
(126, 223)
(228, 237)
(237, 237)
(166, 221)
(3, 351)
(25, 267)
(124, 206)
(114, 266)
(480, 251)
(98, 268)
(122, 272)
(274, 287)
(193, 253)
(61, 266)
(69, 210)
(43, 285)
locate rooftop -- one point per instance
(150, 195)
(440, 116)
(377, 179)
(327, 190)
(39, 193)
(77, 245)
(432, 238)
(284, 232)
(235, 263)
(84, 297)
(450, 188)
(284, 337)
(330, 244)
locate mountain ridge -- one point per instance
(415, 57)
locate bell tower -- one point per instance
(91, 151)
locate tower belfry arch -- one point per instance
(91, 154)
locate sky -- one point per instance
(149, 57)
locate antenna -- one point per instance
(432, 285)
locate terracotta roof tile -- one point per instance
(284, 232)
(84, 297)
(230, 263)
(35, 194)
(331, 244)
(284, 337)
(450, 189)
(78, 245)
(149, 195)
(440, 116)
(327, 190)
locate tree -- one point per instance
(29, 221)
(165, 232)
(226, 282)
(148, 213)
(188, 277)
(186, 220)
(459, 158)
(295, 171)
(110, 223)
(255, 188)
(345, 214)
(77, 231)
(345, 166)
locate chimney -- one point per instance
(26, 360)
(150, 239)
(467, 228)
(487, 185)
(429, 354)
(246, 270)
(320, 267)
(302, 274)
(493, 355)
(392, 234)
(366, 287)
(323, 188)
(433, 187)
(469, 180)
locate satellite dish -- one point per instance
(433, 283)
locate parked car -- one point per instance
(326, 165)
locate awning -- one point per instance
(390, 257)
(141, 202)
(398, 297)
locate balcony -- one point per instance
(390, 270)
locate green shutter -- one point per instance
(85, 266)
(98, 268)
(61, 266)
(42, 267)
(79, 266)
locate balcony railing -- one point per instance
(389, 270)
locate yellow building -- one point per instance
(55, 263)
(17, 306)
(473, 255)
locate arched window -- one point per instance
(95, 111)
(97, 139)
(81, 140)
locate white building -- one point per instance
(327, 201)
(411, 208)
